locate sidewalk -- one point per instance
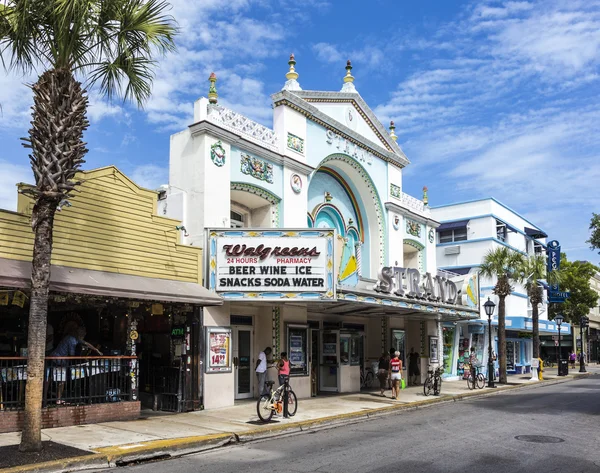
(164, 435)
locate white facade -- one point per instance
(328, 163)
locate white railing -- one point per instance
(414, 204)
(249, 129)
(446, 274)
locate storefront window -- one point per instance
(297, 342)
(329, 348)
(478, 343)
(448, 349)
(345, 349)
(510, 355)
(355, 349)
(398, 343)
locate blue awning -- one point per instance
(535, 233)
(452, 225)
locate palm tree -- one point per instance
(501, 264)
(533, 269)
(110, 43)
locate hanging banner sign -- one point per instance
(271, 264)
(555, 295)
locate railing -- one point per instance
(72, 380)
(250, 129)
(414, 204)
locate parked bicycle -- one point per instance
(476, 382)
(433, 382)
(270, 404)
(548, 363)
(367, 376)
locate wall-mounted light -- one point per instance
(182, 228)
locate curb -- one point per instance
(122, 455)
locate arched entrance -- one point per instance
(341, 195)
(414, 254)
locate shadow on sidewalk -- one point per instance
(10, 455)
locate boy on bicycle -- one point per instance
(472, 362)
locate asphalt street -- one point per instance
(479, 435)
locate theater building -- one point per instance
(309, 238)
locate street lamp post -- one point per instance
(559, 320)
(489, 307)
(583, 323)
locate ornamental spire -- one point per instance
(425, 196)
(212, 90)
(348, 79)
(292, 76)
(393, 135)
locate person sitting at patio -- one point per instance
(74, 336)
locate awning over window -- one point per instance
(452, 225)
(535, 233)
(15, 273)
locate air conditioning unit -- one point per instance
(452, 250)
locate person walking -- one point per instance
(413, 367)
(261, 370)
(383, 372)
(572, 358)
(396, 374)
(283, 368)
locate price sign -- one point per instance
(218, 350)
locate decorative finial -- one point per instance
(348, 79)
(425, 197)
(393, 135)
(292, 76)
(212, 90)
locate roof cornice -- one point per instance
(404, 211)
(204, 127)
(393, 154)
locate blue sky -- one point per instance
(490, 98)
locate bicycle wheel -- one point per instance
(263, 408)
(428, 386)
(369, 379)
(480, 381)
(471, 382)
(438, 388)
(292, 403)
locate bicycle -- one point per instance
(478, 381)
(270, 404)
(433, 382)
(366, 377)
(548, 363)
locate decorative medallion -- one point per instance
(295, 143)
(413, 228)
(351, 121)
(431, 235)
(296, 183)
(395, 191)
(396, 222)
(257, 168)
(217, 154)
(328, 197)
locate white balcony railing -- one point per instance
(242, 125)
(411, 203)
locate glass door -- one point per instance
(314, 361)
(330, 361)
(242, 361)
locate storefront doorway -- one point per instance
(330, 361)
(242, 361)
(314, 361)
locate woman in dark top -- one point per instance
(383, 372)
(413, 367)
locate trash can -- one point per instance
(563, 367)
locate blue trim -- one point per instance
(518, 294)
(454, 243)
(477, 217)
(481, 200)
(460, 266)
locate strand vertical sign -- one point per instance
(553, 264)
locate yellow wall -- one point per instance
(111, 226)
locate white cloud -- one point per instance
(15, 101)
(10, 176)
(367, 56)
(150, 176)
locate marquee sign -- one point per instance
(271, 264)
(408, 282)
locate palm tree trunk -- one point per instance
(535, 319)
(502, 338)
(43, 215)
(55, 139)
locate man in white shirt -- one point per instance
(261, 370)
